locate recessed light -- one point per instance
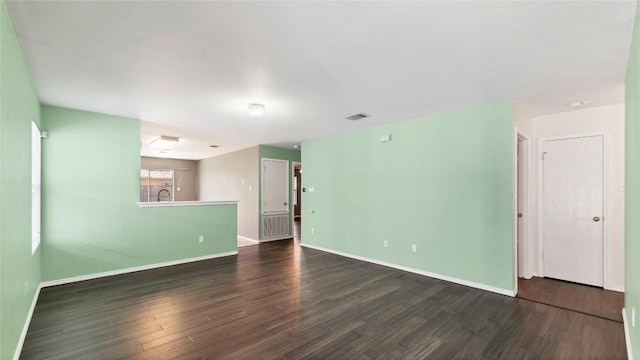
(578, 103)
(256, 109)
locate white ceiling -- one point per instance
(191, 68)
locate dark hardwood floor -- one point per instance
(582, 298)
(280, 301)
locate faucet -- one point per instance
(161, 190)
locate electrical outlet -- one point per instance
(313, 231)
(386, 243)
(201, 239)
(414, 247)
(633, 317)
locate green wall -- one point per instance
(444, 183)
(632, 186)
(272, 152)
(91, 222)
(19, 269)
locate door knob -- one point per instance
(595, 218)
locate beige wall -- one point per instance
(234, 176)
(608, 119)
(522, 120)
(185, 175)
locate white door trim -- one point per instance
(606, 242)
(293, 211)
(524, 243)
(262, 211)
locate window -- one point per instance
(36, 161)
(156, 185)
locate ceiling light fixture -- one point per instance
(165, 141)
(256, 109)
(578, 103)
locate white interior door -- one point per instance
(573, 197)
(275, 186)
(520, 205)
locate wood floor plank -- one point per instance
(281, 301)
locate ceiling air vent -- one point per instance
(214, 146)
(357, 116)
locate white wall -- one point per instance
(234, 176)
(599, 119)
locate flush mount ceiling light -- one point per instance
(256, 109)
(578, 103)
(165, 141)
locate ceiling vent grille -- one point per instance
(357, 116)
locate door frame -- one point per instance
(524, 243)
(262, 192)
(607, 219)
(293, 211)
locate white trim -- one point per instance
(606, 178)
(274, 212)
(616, 288)
(417, 271)
(523, 245)
(514, 208)
(27, 322)
(293, 209)
(606, 232)
(134, 269)
(184, 203)
(627, 338)
(540, 207)
(248, 239)
(284, 237)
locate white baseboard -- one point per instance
(615, 288)
(134, 269)
(472, 284)
(277, 238)
(27, 322)
(626, 334)
(248, 239)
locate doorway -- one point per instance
(297, 200)
(572, 205)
